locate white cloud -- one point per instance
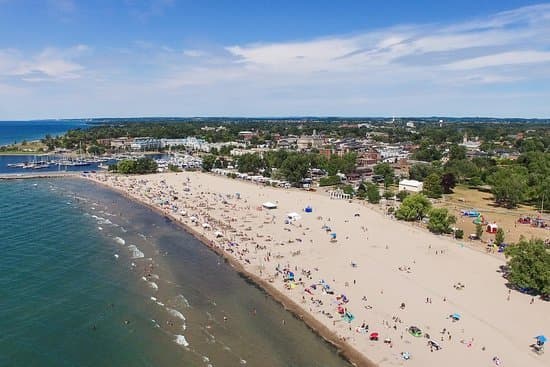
(48, 65)
(501, 59)
(464, 68)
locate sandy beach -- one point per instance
(352, 271)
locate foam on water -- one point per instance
(136, 253)
(120, 241)
(180, 339)
(153, 285)
(176, 313)
(181, 298)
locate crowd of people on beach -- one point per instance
(238, 228)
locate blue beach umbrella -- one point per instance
(455, 316)
(333, 235)
(541, 339)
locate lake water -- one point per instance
(90, 278)
(17, 131)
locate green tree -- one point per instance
(459, 234)
(499, 236)
(440, 221)
(419, 171)
(427, 152)
(509, 186)
(457, 152)
(401, 195)
(329, 181)
(138, 166)
(373, 193)
(529, 266)
(448, 182)
(432, 186)
(347, 189)
(208, 162)
(295, 168)
(389, 194)
(414, 207)
(250, 162)
(479, 230)
(385, 170)
(362, 190)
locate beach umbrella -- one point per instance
(455, 316)
(541, 339)
(333, 235)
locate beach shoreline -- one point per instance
(347, 352)
(382, 261)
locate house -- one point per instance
(411, 186)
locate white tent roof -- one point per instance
(269, 205)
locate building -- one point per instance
(411, 186)
(307, 142)
(190, 142)
(368, 158)
(145, 143)
(247, 135)
(122, 143)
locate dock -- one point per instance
(25, 176)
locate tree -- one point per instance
(208, 162)
(419, 171)
(529, 266)
(427, 152)
(401, 195)
(440, 221)
(373, 193)
(249, 162)
(385, 170)
(459, 234)
(414, 207)
(295, 168)
(448, 182)
(329, 181)
(509, 186)
(389, 194)
(432, 186)
(499, 237)
(479, 230)
(138, 166)
(457, 152)
(462, 169)
(347, 189)
(362, 190)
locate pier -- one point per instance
(23, 176)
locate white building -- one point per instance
(411, 186)
(145, 143)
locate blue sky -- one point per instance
(116, 58)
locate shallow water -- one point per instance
(90, 278)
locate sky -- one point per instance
(133, 58)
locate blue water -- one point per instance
(77, 271)
(17, 131)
